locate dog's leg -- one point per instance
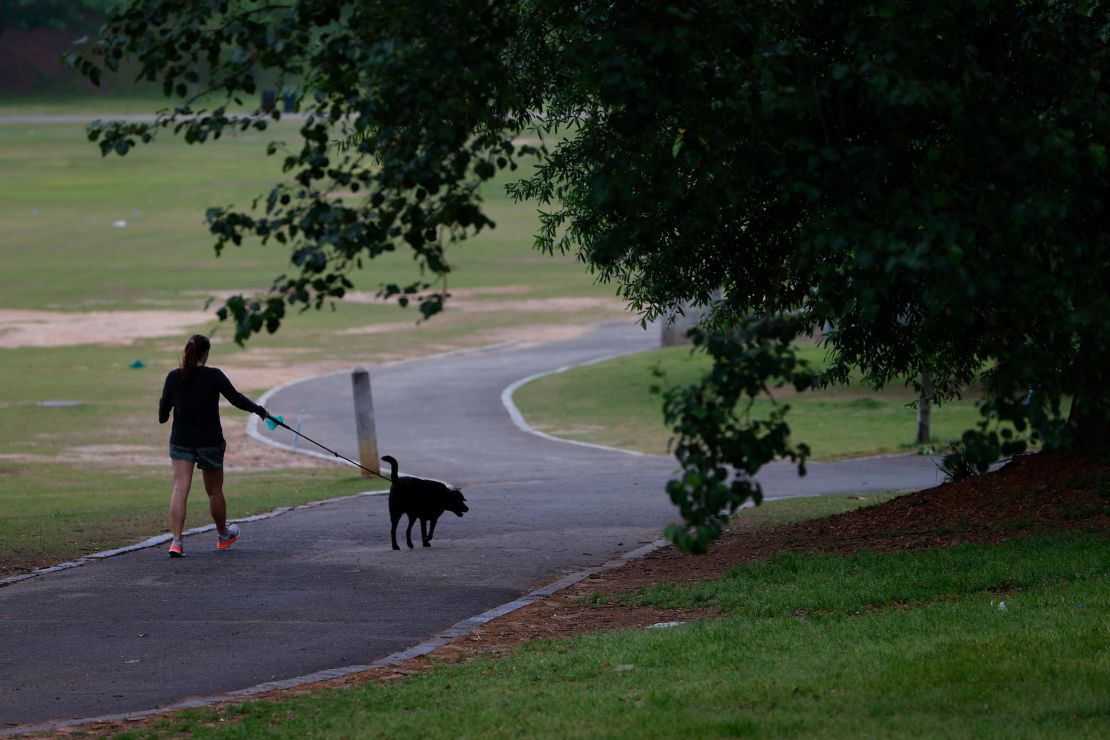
(432, 528)
(393, 531)
(425, 538)
(408, 532)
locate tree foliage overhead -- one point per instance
(923, 181)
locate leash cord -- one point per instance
(283, 425)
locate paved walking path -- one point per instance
(321, 588)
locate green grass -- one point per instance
(786, 510)
(812, 646)
(795, 583)
(59, 199)
(611, 403)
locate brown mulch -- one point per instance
(1032, 493)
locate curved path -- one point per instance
(321, 587)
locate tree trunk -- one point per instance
(925, 410)
(1091, 428)
(1089, 418)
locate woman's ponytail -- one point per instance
(196, 349)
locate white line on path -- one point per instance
(518, 418)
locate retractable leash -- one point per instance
(277, 421)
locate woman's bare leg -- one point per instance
(214, 486)
(182, 480)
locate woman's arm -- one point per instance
(237, 399)
(165, 404)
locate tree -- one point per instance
(926, 180)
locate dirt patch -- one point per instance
(20, 328)
(535, 334)
(1033, 493)
(538, 305)
(251, 370)
(117, 455)
(387, 328)
(243, 454)
(363, 297)
(490, 290)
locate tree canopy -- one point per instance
(921, 182)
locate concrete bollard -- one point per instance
(364, 421)
(677, 324)
(682, 319)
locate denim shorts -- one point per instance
(206, 458)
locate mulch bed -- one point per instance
(1033, 493)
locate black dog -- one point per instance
(421, 499)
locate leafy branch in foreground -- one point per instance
(719, 444)
(432, 122)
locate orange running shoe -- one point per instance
(176, 550)
(225, 541)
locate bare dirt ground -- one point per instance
(19, 328)
(1031, 494)
(243, 454)
(32, 328)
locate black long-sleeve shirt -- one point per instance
(196, 406)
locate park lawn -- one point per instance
(56, 512)
(911, 644)
(61, 253)
(611, 403)
(59, 200)
(775, 512)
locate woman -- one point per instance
(193, 392)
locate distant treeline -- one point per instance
(28, 15)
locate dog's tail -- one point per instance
(392, 466)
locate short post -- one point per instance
(925, 410)
(684, 317)
(364, 421)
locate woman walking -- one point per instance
(193, 392)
